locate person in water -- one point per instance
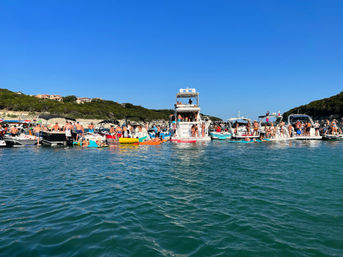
(85, 143)
(156, 139)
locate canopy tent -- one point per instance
(53, 116)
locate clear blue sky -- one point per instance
(247, 56)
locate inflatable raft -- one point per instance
(128, 140)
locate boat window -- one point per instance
(187, 117)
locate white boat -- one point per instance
(220, 135)
(2, 142)
(189, 126)
(219, 131)
(20, 140)
(299, 135)
(280, 132)
(238, 128)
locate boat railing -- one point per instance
(186, 105)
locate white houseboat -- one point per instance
(188, 124)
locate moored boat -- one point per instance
(273, 127)
(20, 140)
(241, 128)
(304, 128)
(188, 124)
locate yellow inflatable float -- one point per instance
(128, 140)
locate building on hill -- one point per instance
(56, 98)
(97, 99)
(43, 96)
(51, 97)
(82, 100)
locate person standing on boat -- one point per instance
(255, 124)
(79, 130)
(68, 131)
(91, 128)
(316, 127)
(298, 127)
(125, 132)
(2, 130)
(248, 126)
(203, 128)
(56, 127)
(290, 130)
(36, 131)
(14, 131)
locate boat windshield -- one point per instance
(301, 118)
(267, 120)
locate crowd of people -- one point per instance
(271, 129)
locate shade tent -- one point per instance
(109, 122)
(53, 116)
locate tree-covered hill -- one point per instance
(326, 108)
(99, 109)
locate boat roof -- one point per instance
(270, 115)
(239, 118)
(187, 92)
(299, 115)
(53, 116)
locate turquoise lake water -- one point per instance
(216, 199)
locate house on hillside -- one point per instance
(82, 100)
(42, 96)
(51, 97)
(97, 99)
(56, 98)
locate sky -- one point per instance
(242, 56)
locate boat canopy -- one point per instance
(53, 116)
(109, 122)
(292, 118)
(187, 96)
(239, 120)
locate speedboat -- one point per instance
(238, 128)
(188, 124)
(333, 137)
(2, 142)
(280, 132)
(57, 138)
(293, 119)
(222, 133)
(20, 140)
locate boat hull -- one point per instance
(220, 135)
(16, 142)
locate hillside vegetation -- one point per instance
(99, 109)
(326, 108)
